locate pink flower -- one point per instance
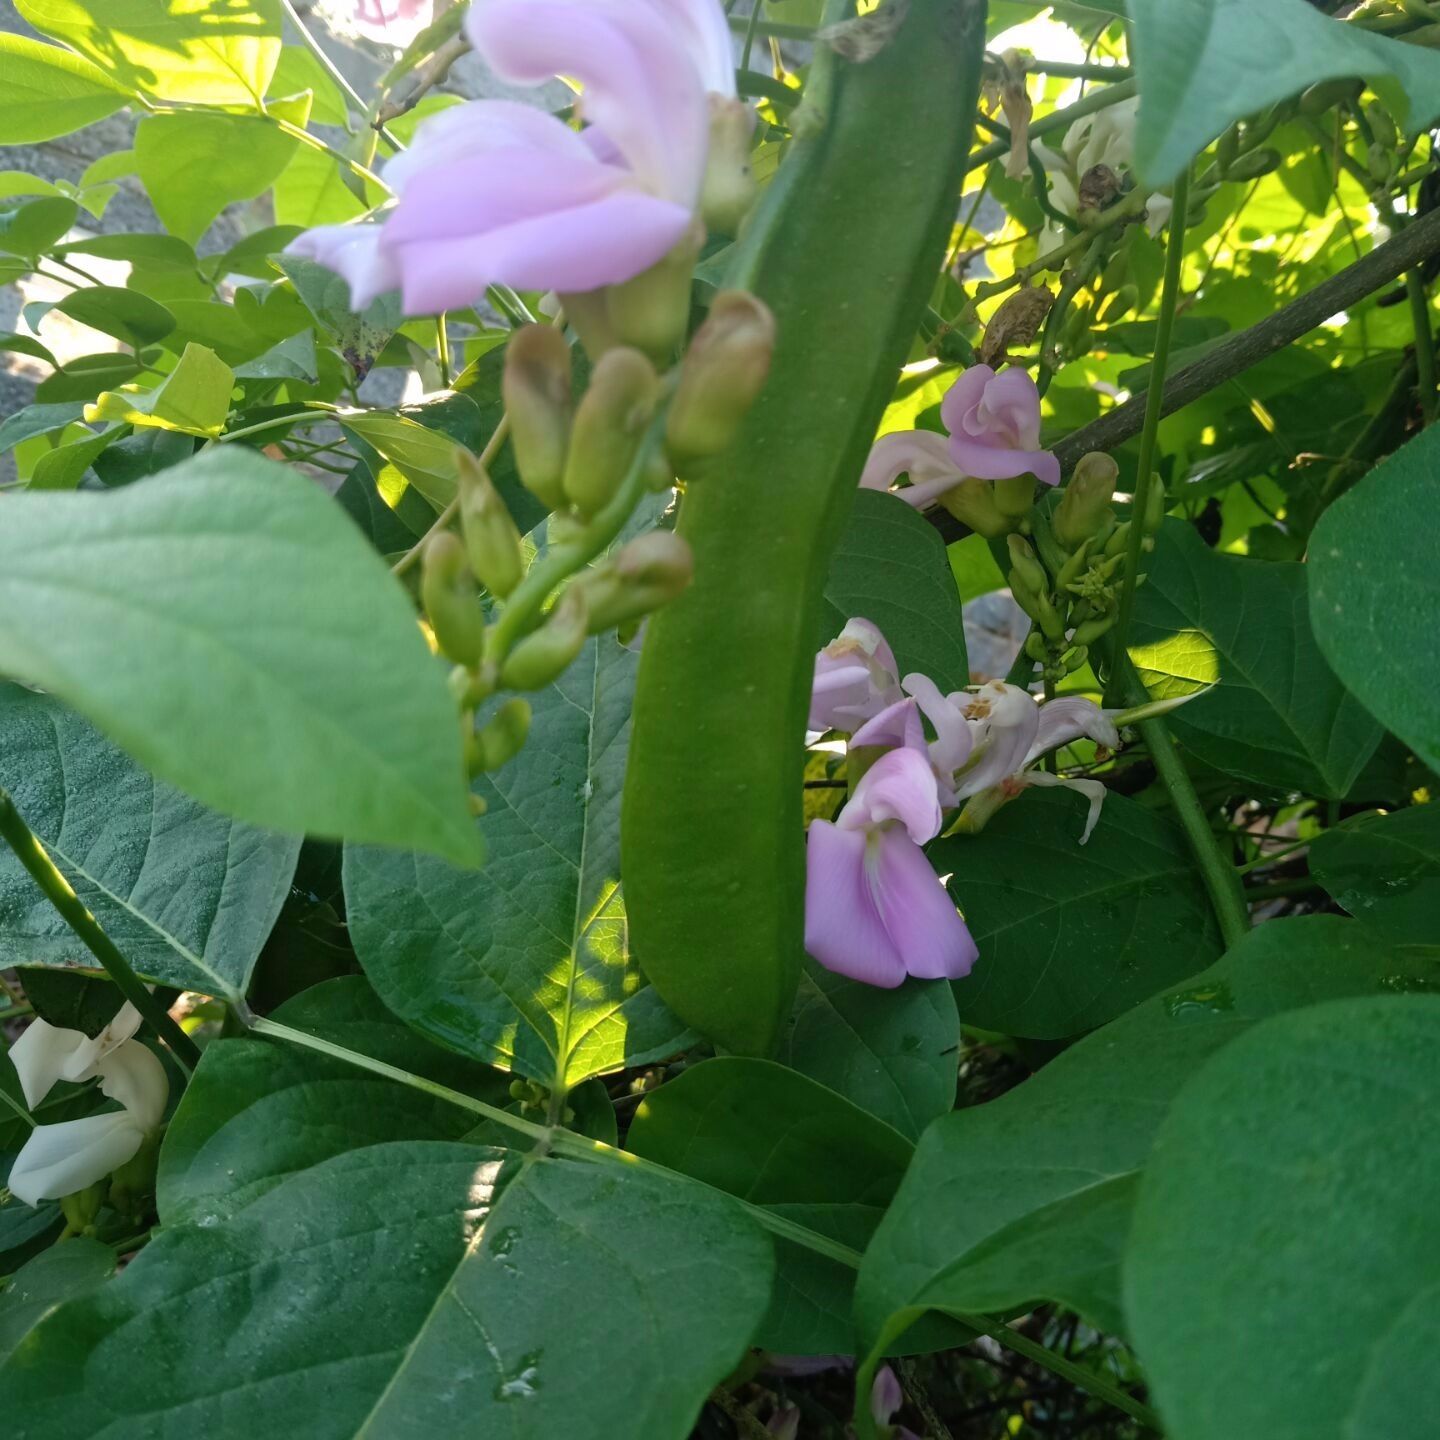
(855, 678)
(499, 192)
(393, 22)
(874, 908)
(994, 425)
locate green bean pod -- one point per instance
(845, 251)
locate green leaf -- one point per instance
(891, 568)
(448, 1308)
(527, 964)
(54, 1276)
(894, 1053)
(1071, 936)
(1019, 1171)
(26, 345)
(359, 338)
(208, 51)
(1385, 870)
(1277, 716)
(160, 251)
(31, 228)
(312, 191)
(299, 70)
(50, 92)
(193, 399)
(85, 377)
(1373, 598)
(188, 896)
(258, 1112)
(64, 467)
(37, 420)
(714, 840)
(1204, 64)
(194, 165)
(292, 359)
(209, 620)
(132, 318)
(146, 452)
(1282, 1273)
(20, 182)
(775, 1138)
(420, 457)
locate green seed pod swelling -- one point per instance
(536, 391)
(492, 539)
(652, 311)
(448, 592)
(1024, 563)
(543, 656)
(608, 428)
(723, 371)
(639, 578)
(500, 739)
(1086, 502)
(1073, 659)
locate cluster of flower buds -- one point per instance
(1068, 574)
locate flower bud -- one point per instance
(1015, 496)
(448, 591)
(536, 390)
(1155, 505)
(722, 373)
(501, 739)
(1118, 543)
(1086, 501)
(1024, 563)
(542, 657)
(972, 502)
(1325, 94)
(1119, 304)
(652, 311)
(492, 540)
(609, 426)
(1074, 658)
(729, 190)
(1255, 164)
(588, 313)
(1089, 632)
(639, 578)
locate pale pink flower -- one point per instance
(855, 678)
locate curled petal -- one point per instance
(886, 1396)
(642, 85)
(919, 916)
(921, 454)
(898, 725)
(854, 678)
(843, 928)
(46, 1054)
(1092, 790)
(58, 1160)
(707, 40)
(134, 1076)
(1007, 719)
(901, 786)
(953, 737)
(994, 424)
(354, 252)
(1068, 718)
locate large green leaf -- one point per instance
(193, 399)
(1277, 716)
(1071, 936)
(257, 1112)
(998, 1208)
(775, 1138)
(49, 91)
(194, 165)
(228, 625)
(890, 567)
(527, 964)
(420, 457)
(1282, 1277)
(211, 51)
(894, 1053)
(1385, 870)
(1373, 597)
(359, 337)
(1204, 64)
(379, 1294)
(130, 317)
(188, 895)
(52, 1277)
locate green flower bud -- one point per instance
(972, 502)
(722, 373)
(1036, 648)
(1326, 94)
(1257, 163)
(1155, 503)
(499, 740)
(543, 656)
(1074, 658)
(1228, 149)
(1086, 502)
(652, 311)
(1118, 542)
(729, 191)
(448, 592)
(1025, 564)
(609, 426)
(1074, 566)
(492, 539)
(639, 578)
(1119, 304)
(536, 390)
(81, 1208)
(589, 316)
(1050, 620)
(1015, 496)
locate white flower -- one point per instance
(47, 1054)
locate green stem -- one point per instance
(34, 857)
(279, 422)
(1154, 397)
(20, 1111)
(298, 132)
(1424, 342)
(442, 349)
(1073, 70)
(333, 70)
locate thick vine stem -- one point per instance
(56, 889)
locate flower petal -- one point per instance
(1092, 790)
(707, 39)
(354, 252)
(921, 454)
(58, 1160)
(843, 929)
(1068, 718)
(953, 737)
(919, 916)
(964, 396)
(897, 725)
(900, 785)
(134, 1076)
(42, 1055)
(1007, 719)
(642, 87)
